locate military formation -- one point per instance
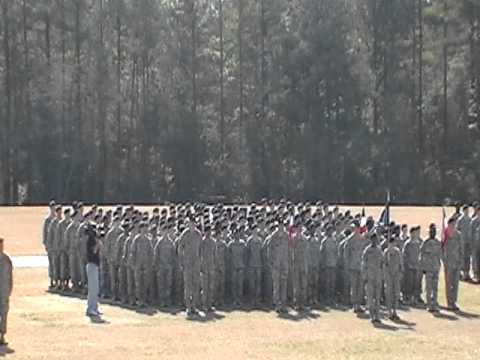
(279, 255)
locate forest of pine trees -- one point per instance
(156, 100)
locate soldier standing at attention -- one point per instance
(189, 255)
(110, 247)
(328, 253)
(475, 238)
(411, 256)
(62, 250)
(278, 249)
(313, 264)
(237, 249)
(300, 265)
(45, 239)
(6, 286)
(121, 294)
(393, 271)
(254, 246)
(71, 242)
(127, 261)
(430, 257)
(207, 256)
(453, 262)
(372, 263)
(220, 268)
(51, 250)
(142, 251)
(463, 225)
(163, 262)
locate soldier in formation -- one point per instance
(6, 286)
(204, 257)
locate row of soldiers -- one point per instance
(281, 254)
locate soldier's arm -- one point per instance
(364, 262)
(462, 249)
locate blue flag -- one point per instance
(385, 216)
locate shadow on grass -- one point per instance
(204, 318)
(383, 326)
(298, 316)
(407, 325)
(6, 350)
(444, 316)
(466, 315)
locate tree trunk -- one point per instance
(7, 151)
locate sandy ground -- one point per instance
(22, 226)
(50, 326)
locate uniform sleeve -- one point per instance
(364, 261)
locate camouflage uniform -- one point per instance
(475, 240)
(237, 250)
(64, 271)
(46, 243)
(163, 263)
(122, 267)
(220, 256)
(313, 269)
(411, 257)
(51, 249)
(430, 258)
(111, 253)
(372, 263)
(129, 262)
(453, 261)
(178, 276)
(393, 270)
(254, 249)
(344, 281)
(207, 256)
(279, 256)
(300, 265)
(6, 285)
(464, 227)
(354, 247)
(328, 253)
(189, 257)
(142, 251)
(267, 272)
(70, 245)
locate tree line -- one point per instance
(154, 100)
